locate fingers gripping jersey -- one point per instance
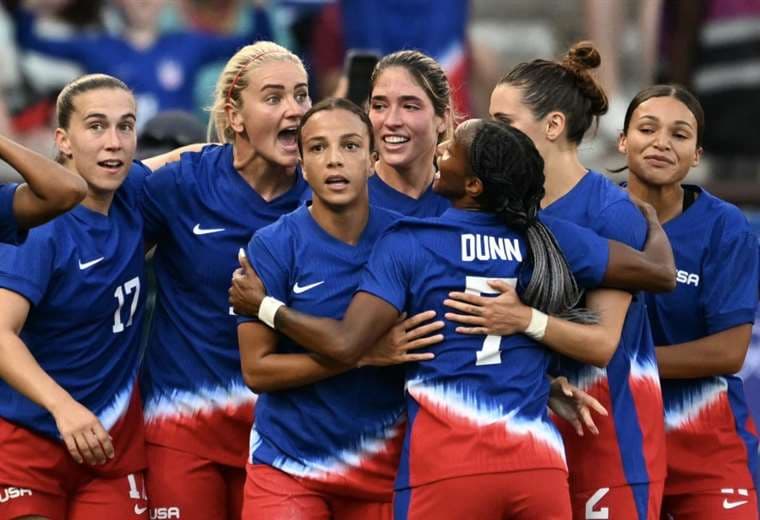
(630, 447)
(711, 438)
(82, 272)
(480, 405)
(341, 435)
(200, 212)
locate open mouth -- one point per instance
(395, 139)
(336, 182)
(287, 137)
(111, 164)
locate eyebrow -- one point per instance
(401, 98)
(678, 122)
(324, 138)
(282, 87)
(98, 115)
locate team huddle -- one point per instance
(375, 314)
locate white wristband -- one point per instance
(268, 309)
(537, 326)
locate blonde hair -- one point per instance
(235, 78)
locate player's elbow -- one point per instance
(257, 382)
(345, 354)
(72, 192)
(665, 281)
(605, 349)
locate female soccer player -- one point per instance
(410, 110)
(475, 423)
(702, 329)
(327, 437)
(555, 103)
(71, 427)
(200, 211)
(50, 189)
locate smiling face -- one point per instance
(661, 142)
(336, 156)
(100, 140)
(405, 123)
(273, 103)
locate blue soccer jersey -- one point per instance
(82, 273)
(430, 204)
(341, 435)
(200, 211)
(711, 440)
(481, 405)
(9, 231)
(630, 446)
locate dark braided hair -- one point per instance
(511, 170)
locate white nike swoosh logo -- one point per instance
(298, 289)
(197, 230)
(86, 265)
(731, 505)
(140, 510)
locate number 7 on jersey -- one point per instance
(490, 353)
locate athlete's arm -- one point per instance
(157, 161)
(50, 189)
(651, 270)
(593, 344)
(716, 354)
(266, 370)
(85, 437)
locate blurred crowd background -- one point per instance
(171, 51)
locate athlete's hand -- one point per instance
(574, 405)
(246, 291)
(646, 208)
(408, 334)
(494, 315)
(85, 437)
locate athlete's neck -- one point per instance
(412, 181)
(666, 199)
(563, 170)
(268, 179)
(99, 202)
(345, 223)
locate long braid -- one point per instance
(511, 170)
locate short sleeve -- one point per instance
(159, 190)
(387, 274)
(27, 269)
(586, 252)
(729, 280)
(623, 222)
(271, 268)
(9, 231)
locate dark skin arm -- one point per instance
(651, 270)
(716, 354)
(50, 189)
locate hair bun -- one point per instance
(582, 56)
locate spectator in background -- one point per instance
(438, 28)
(713, 46)
(159, 68)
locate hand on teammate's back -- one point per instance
(500, 315)
(574, 405)
(408, 334)
(83, 434)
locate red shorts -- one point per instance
(187, 486)
(733, 504)
(518, 495)
(38, 476)
(271, 493)
(636, 502)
